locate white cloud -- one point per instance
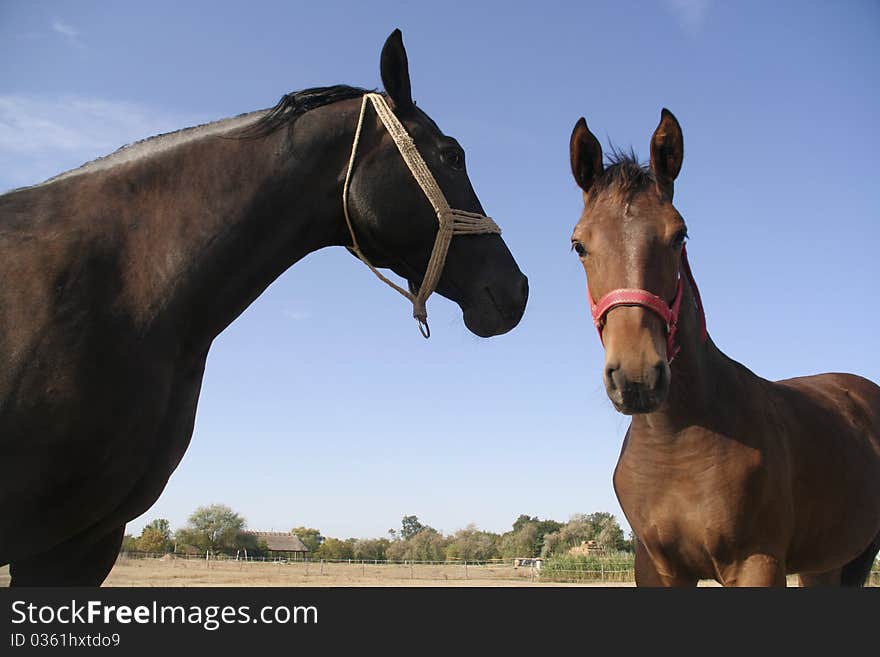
(68, 31)
(297, 315)
(43, 136)
(65, 29)
(691, 14)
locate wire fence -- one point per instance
(612, 570)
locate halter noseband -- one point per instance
(451, 222)
(667, 312)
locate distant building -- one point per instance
(282, 544)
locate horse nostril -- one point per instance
(610, 371)
(660, 373)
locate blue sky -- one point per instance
(322, 405)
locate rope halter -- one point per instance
(451, 222)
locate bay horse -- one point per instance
(722, 475)
(117, 277)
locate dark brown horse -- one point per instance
(117, 277)
(722, 474)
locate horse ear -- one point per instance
(586, 155)
(394, 68)
(667, 151)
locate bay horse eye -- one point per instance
(579, 249)
(679, 238)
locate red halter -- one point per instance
(668, 313)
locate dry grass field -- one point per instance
(197, 572)
(169, 571)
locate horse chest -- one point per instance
(692, 507)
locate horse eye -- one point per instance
(579, 249)
(454, 158)
(679, 238)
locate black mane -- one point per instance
(295, 104)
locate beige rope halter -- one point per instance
(451, 222)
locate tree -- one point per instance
(545, 527)
(334, 550)
(409, 527)
(527, 537)
(601, 527)
(155, 537)
(471, 544)
(427, 545)
(371, 549)
(521, 543)
(214, 528)
(129, 544)
(311, 538)
(610, 535)
(522, 521)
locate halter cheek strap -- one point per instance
(669, 313)
(451, 222)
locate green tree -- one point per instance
(427, 545)
(527, 537)
(214, 528)
(155, 537)
(371, 549)
(310, 537)
(129, 544)
(600, 526)
(334, 549)
(609, 534)
(545, 527)
(520, 543)
(471, 544)
(409, 527)
(522, 521)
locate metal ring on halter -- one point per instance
(424, 329)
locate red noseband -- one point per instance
(667, 312)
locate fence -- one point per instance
(354, 572)
(344, 569)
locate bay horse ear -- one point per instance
(667, 151)
(586, 155)
(394, 68)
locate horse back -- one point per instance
(851, 401)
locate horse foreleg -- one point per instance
(830, 578)
(647, 574)
(755, 570)
(82, 561)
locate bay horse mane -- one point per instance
(624, 174)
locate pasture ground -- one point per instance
(173, 572)
(191, 573)
(198, 572)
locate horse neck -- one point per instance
(703, 384)
(244, 211)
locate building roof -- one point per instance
(280, 541)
